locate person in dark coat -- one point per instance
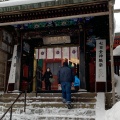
(39, 77)
(47, 75)
(65, 79)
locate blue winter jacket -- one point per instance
(77, 81)
(65, 74)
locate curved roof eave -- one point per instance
(21, 5)
(21, 2)
(14, 3)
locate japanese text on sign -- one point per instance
(101, 60)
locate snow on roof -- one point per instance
(21, 2)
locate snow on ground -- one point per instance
(100, 106)
(116, 51)
(53, 113)
(113, 113)
(117, 87)
(1, 92)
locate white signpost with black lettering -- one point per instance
(13, 67)
(100, 61)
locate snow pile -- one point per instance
(100, 106)
(113, 113)
(116, 51)
(1, 92)
(117, 81)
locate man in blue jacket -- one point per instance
(65, 79)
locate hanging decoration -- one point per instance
(40, 53)
(57, 52)
(70, 53)
(65, 53)
(73, 52)
(49, 53)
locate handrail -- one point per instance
(30, 82)
(12, 106)
(32, 79)
(25, 91)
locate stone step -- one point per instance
(61, 111)
(84, 95)
(48, 105)
(50, 112)
(50, 117)
(64, 118)
(48, 100)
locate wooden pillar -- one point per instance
(111, 31)
(34, 74)
(18, 65)
(82, 58)
(31, 63)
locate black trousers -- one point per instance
(39, 85)
(47, 85)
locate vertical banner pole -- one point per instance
(111, 48)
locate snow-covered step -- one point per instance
(79, 94)
(47, 99)
(48, 117)
(56, 111)
(55, 105)
(49, 106)
(61, 111)
(52, 113)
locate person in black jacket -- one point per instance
(47, 75)
(65, 79)
(39, 76)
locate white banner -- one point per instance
(73, 52)
(101, 60)
(49, 53)
(13, 66)
(65, 52)
(42, 53)
(57, 52)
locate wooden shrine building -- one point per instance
(46, 33)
